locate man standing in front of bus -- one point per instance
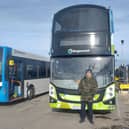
(87, 88)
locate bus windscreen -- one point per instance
(66, 72)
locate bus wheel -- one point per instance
(30, 92)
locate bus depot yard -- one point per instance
(77, 45)
(36, 114)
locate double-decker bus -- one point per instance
(81, 39)
(22, 75)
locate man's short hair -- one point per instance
(89, 70)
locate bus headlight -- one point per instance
(52, 91)
(109, 93)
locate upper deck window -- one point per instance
(82, 19)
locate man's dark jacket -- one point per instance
(88, 88)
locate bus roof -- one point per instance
(18, 53)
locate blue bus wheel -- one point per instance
(30, 92)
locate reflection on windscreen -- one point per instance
(66, 73)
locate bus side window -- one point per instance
(47, 69)
(18, 71)
(31, 71)
(38, 69)
(42, 72)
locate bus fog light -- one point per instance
(52, 100)
(110, 102)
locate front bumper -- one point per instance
(102, 106)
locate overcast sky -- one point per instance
(26, 24)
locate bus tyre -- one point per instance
(30, 92)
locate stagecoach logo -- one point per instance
(70, 51)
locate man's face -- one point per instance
(88, 74)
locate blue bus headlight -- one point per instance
(109, 93)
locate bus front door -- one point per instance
(16, 77)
